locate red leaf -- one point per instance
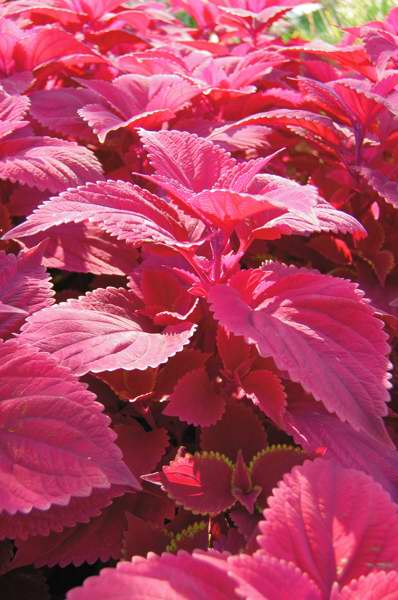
(142, 450)
(267, 392)
(100, 539)
(248, 433)
(269, 466)
(200, 482)
(195, 401)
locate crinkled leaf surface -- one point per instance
(25, 287)
(125, 211)
(47, 163)
(262, 576)
(56, 442)
(304, 321)
(101, 332)
(200, 576)
(333, 523)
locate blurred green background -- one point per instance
(326, 18)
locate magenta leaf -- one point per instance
(47, 163)
(22, 526)
(166, 298)
(25, 288)
(186, 161)
(200, 482)
(135, 101)
(125, 211)
(195, 401)
(334, 524)
(199, 576)
(376, 586)
(85, 248)
(290, 314)
(224, 208)
(142, 536)
(57, 110)
(313, 427)
(56, 441)
(44, 45)
(262, 576)
(379, 183)
(12, 111)
(102, 332)
(304, 121)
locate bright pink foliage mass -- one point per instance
(198, 304)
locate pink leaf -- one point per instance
(376, 586)
(125, 211)
(25, 288)
(57, 110)
(85, 248)
(312, 427)
(290, 314)
(44, 45)
(199, 576)
(195, 401)
(200, 482)
(334, 524)
(379, 183)
(224, 208)
(101, 332)
(193, 163)
(55, 440)
(47, 163)
(261, 576)
(135, 101)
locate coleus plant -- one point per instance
(274, 322)
(307, 543)
(207, 200)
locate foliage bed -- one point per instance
(198, 303)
